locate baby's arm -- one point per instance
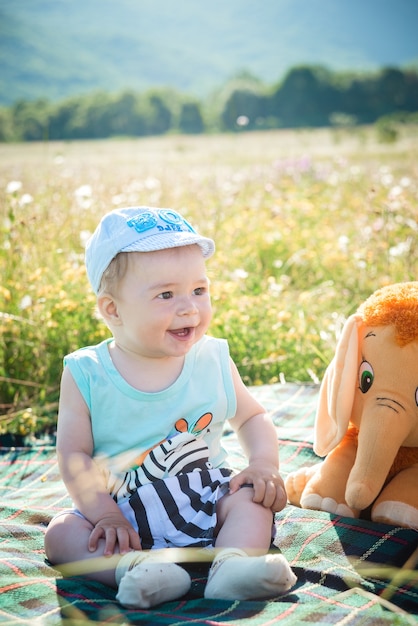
(258, 438)
(83, 478)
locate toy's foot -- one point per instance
(396, 513)
(296, 482)
(318, 503)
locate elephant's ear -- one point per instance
(336, 395)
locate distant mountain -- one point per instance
(57, 48)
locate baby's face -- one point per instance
(163, 302)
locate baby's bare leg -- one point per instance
(66, 546)
(243, 523)
(143, 580)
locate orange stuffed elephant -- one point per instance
(367, 417)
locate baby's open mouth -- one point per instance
(181, 332)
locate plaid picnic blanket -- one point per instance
(350, 572)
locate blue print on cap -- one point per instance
(143, 222)
(148, 220)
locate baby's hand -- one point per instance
(116, 531)
(269, 489)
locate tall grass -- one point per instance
(307, 224)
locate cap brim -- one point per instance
(175, 240)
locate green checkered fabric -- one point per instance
(350, 572)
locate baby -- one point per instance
(140, 423)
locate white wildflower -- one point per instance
(84, 191)
(343, 242)
(386, 179)
(83, 196)
(243, 120)
(395, 191)
(118, 199)
(152, 183)
(84, 237)
(25, 302)
(25, 199)
(401, 249)
(239, 274)
(13, 186)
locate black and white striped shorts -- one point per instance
(179, 511)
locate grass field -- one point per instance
(307, 224)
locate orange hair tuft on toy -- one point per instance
(395, 305)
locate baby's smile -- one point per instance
(182, 332)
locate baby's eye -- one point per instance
(199, 291)
(166, 295)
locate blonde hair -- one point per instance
(114, 273)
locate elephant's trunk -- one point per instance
(380, 437)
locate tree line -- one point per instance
(308, 96)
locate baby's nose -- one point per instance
(187, 306)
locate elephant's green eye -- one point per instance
(366, 376)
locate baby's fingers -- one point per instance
(108, 534)
(135, 541)
(238, 481)
(96, 534)
(111, 537)
(280, 499)
(268, 497)
(123, 539)
(270, 494)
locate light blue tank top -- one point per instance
(127, 422)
